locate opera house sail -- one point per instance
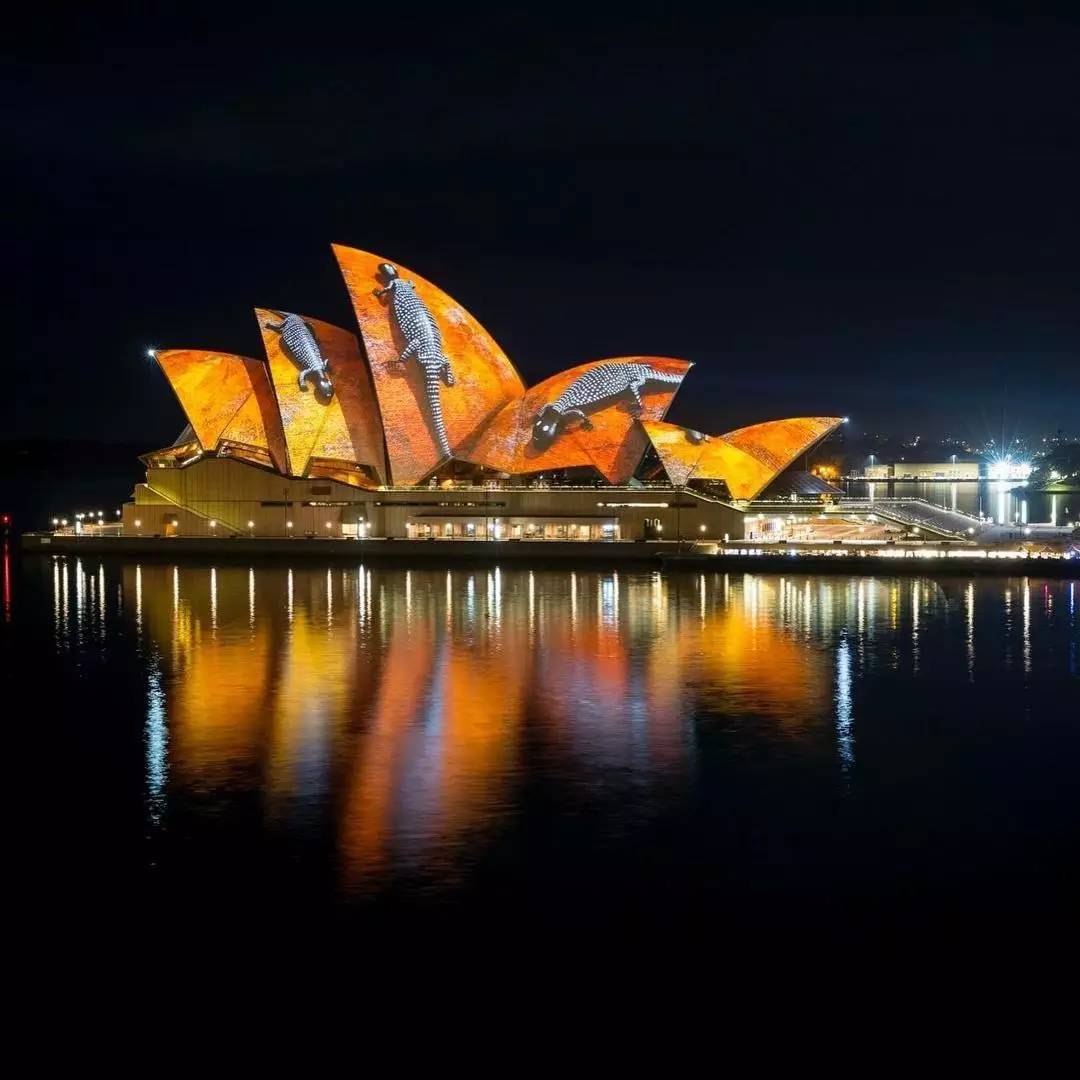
(420, 427)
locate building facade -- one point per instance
(421, 427)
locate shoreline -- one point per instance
(664, 554)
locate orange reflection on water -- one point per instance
(396, 701)
(440, 746)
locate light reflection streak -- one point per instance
(1026, 620)
(860, 615)
(915, 627)
(251, 597)
(844, 737)
(213, 598)
(1007, 600)
(969, 603)
(57, 621)
(7, 582)
(156, 740)
(80, 598)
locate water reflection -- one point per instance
(400, 709)
(843, 702)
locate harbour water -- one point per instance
(1003, 501)
(558, 745)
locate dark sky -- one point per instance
(867, 216)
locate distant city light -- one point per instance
(1004, 468)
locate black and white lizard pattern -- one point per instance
(423, 341)
(301, 344)
(597, 385)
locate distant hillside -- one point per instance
(1059, 470)
(45, 478)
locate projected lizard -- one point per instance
(423, 341)
(597, 385)
(302, 345)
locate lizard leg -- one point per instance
(635, 392)
(276, 327)
(408, 353)
(447, 374)
(303, 379)
(586, 423)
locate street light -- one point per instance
(213, 524)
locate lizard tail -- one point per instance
(431, 385)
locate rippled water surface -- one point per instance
(577, 744)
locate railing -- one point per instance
(191, 510)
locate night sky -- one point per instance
(872, 217)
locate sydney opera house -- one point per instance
(421, 428)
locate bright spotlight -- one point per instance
(151, 353)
